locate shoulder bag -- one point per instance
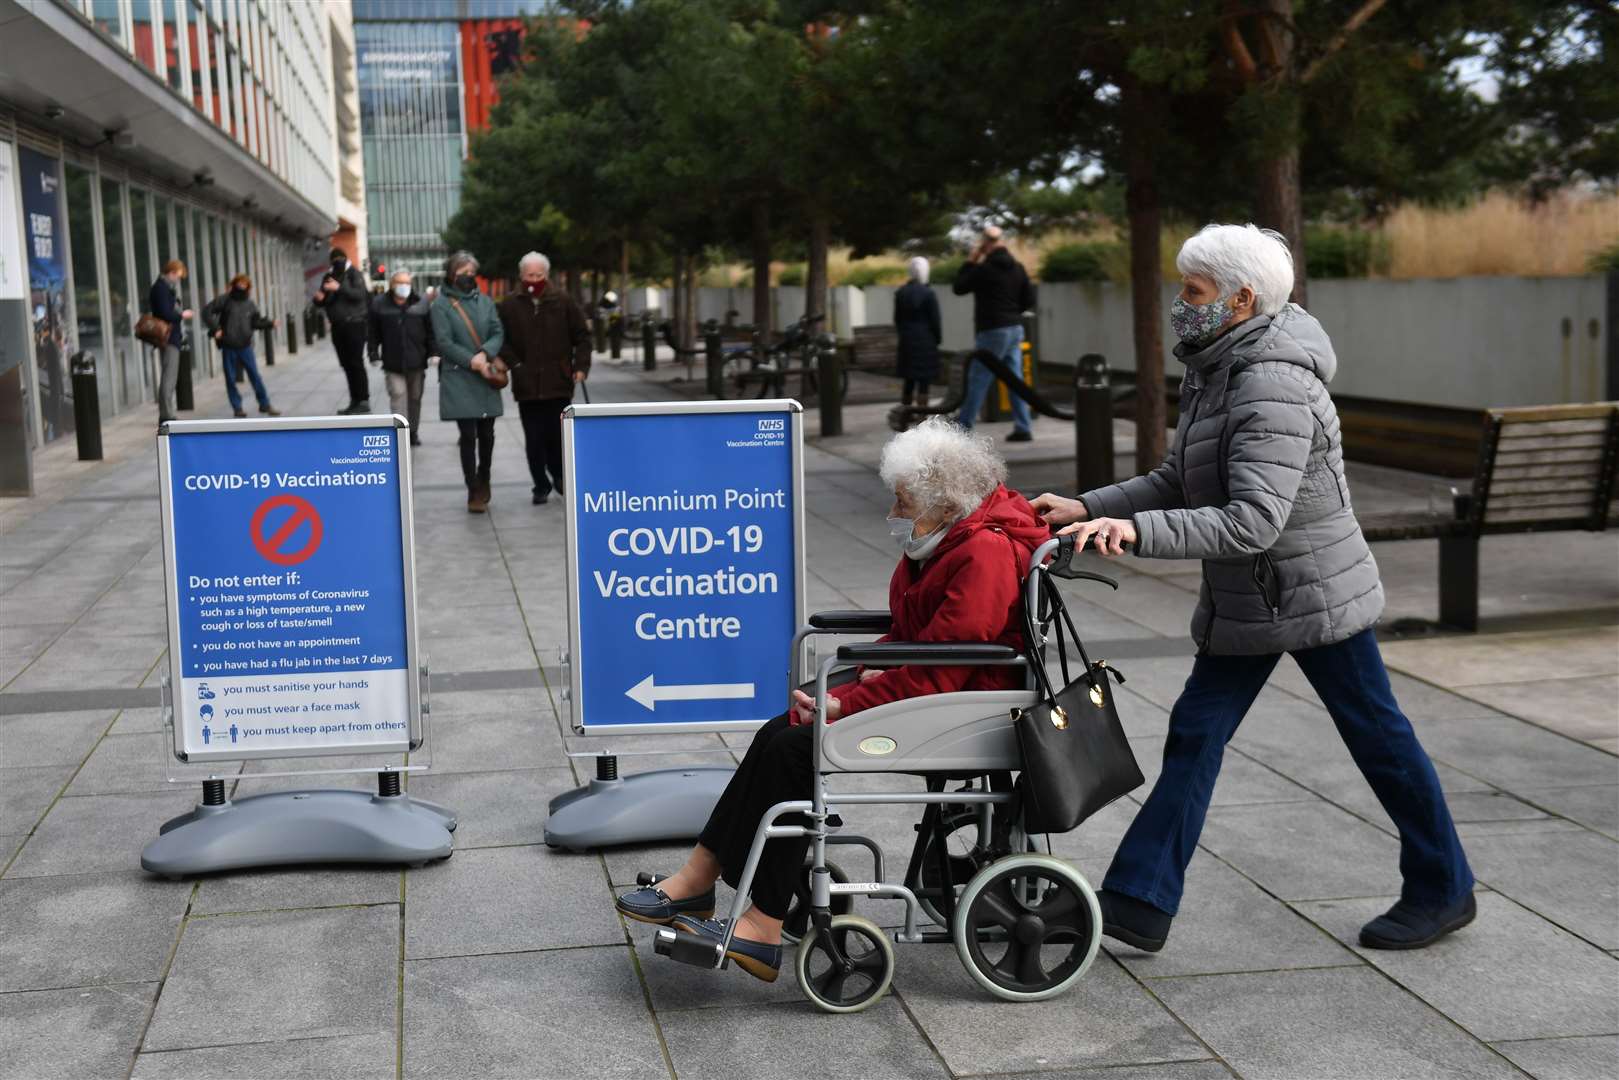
(496, 376)
(153, 331)
(1076, 759)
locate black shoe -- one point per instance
(541, 498)
(414, 441)
(356, 408)
(1407, 926)
(1134, 922)
(650, 904)
(240, 415)
(1020, 436)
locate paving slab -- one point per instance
(272, 976)
(748, 1041)
(1304, 851)
(1209, 1069)
(1347, 1023)
(1594, 807)
(291, 888)
(466, 742)
(1107, 1018)
(493, 900)
(57, 738)
(352, 1057)
(26, 793)
(95, 833)
(1227, 923)
(124, 764)
(564, 1013)
(1565, 1059)
(1241, 781)
(1570, 877)
(1492, 976)
(1582, 708)
(72, 1034)
(87, 929)
(495, 809)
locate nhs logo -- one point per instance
(773, 424)
(373, 440)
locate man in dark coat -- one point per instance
(547, 348)
(1001, 294)
(232, 319)
(346, 300)
(401, 337)
(164, 302)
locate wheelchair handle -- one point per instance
(1062, 566)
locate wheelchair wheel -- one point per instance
(797, 920)
(834, 989)
(963, 866)
(1027, 927)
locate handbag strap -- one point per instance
(1058, 618)
(476, 340)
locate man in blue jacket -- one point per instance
(164, 300)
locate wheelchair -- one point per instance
(1025, 925)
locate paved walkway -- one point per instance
(507, 959)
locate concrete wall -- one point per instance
(1466, 342)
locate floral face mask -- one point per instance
(1198, 324)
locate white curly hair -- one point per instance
(942, 466)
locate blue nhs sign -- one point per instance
(685, 563)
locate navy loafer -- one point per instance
(755, 957)
(651, 904)
(1134, 922)
(1406, 926)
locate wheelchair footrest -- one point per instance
(687, 948)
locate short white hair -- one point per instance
(917, 268)
(942, 466)
(397, 274)
(535, 257)
(1237, 255)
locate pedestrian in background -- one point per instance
(346, 300)
(233, 319)
(916, 318)
(401, 340)
(468, 335)
(1001, 294)
(164, 300)
(547, 348)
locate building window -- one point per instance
(108, 16)
(123, 357)
(86, 331)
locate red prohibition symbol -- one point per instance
(271, 546)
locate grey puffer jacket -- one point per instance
(1254, 486)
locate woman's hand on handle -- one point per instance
(1055, 510)
(1107, 535)
(803, 709)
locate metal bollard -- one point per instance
(598, 331)
(829, 371)
(615, 337)
(185, 399)
(1093, 424)
(309, 326)
(269, 346)
(86, 405)
(292, 337)
(714, 355)
(649, 344)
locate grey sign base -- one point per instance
(665, 804)
(287, 827)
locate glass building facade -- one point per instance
(427, 75)
(87, 220)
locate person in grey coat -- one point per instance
(1254, 487)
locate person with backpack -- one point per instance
(232, 319)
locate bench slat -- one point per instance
(1524, 473)
(1534, 429)
(1591, 441)
(1541, 413)
(1583, 455)
(1562, 483)
(1576, 513)
(1531, 499)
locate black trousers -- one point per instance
(477, 448)
(777, 767)
(542, 436)
(348, 338)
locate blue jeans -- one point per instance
(1349, 676)
(1004, 342)
(243, 357)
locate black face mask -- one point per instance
(466, 282)
(238, 294)
(337, 267)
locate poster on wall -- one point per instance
(41, 179)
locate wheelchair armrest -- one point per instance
(895, 653)
(855, 622)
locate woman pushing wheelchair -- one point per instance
(966, 541)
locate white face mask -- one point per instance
(915, 547)
(402, 291)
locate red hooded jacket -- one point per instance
(968, 590)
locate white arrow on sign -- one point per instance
(648, 693)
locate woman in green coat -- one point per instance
(468, 333)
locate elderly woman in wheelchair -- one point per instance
(934, 697)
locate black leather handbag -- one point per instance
(1076, 759)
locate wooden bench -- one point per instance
(873, 350)
(1540, 469)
